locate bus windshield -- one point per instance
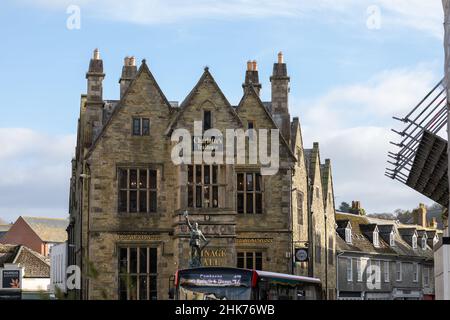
(214, 293)
(214, 284)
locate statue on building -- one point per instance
(195, 243)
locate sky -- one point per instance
(353, 65)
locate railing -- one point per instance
(430, 115)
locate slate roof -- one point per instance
(360, 241)
(362, 226)
(34, 264)
(48, 229)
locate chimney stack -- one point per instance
(420, 215)
(280, 97)
(129, 71)
(252, 77)
(95, 78)
(94, 100)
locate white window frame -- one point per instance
(387, 271)
(426, 276)
(376, 239)
(414, 241)
(377, 263)
(435, 239)
(348, 235)
(392, 239)
(349, 269)
(359, 270)
(399, 272)
(415, 272)
(424, 243)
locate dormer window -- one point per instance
(376, 240)
(424, 243)
(392, 239)
(348, 234)
(414, 241)
(435, 240)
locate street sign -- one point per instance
(301, 255)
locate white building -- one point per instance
(58, 267)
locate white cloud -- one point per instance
(34, 173)
(352, 124)
(417, 14)
(423, 15)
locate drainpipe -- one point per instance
(291, 224)
(326, 257)
(310, 233)
(337, 274)
(86, 179)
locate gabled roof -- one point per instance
(385, 228)
(206, 76)
(48, 229)
(343, 224)
(251, 92)
(34, 264)
(407, 231)
(325, 173)
(119, 105)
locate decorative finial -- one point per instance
(206, 68)
(144, 61)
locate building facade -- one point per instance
(127, 229)
(381, 259)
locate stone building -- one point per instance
(380, 259)
(127, 231)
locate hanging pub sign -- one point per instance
(11, 279)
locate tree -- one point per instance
(344, 207)
(404, 216)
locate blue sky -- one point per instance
(347, 80)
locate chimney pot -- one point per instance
(96, 54)
(132, 61)
(249, 65)
(255, 65)
(280, 57)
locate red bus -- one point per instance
(217, 283)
